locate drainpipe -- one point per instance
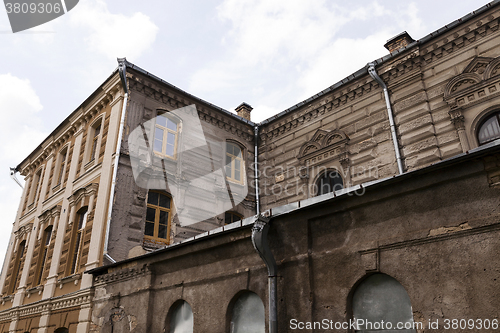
(261, 245)
(122, 67)
(13, 176)
(256, 174)
(373, 73)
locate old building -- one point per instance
(382, 189)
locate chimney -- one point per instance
(244, 110)
(398, 41)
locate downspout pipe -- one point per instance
(256, 170)
(122, 69)
(260, 242)
(373, 73)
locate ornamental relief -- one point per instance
(479, 81)
(324, 146)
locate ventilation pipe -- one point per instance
(122, 69)
(261, 244)
(373, 73)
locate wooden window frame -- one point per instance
(158, 208)
(232, 167)
(165, 130)
(77, 241)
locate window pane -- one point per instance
(237, 174)
(157, 145)
(162, 231)
(163, 217)
(228, 171)
(170, 138)
(237, 151)
(164, 201)
(228, 160)
(161, 120)
(229, 149)
(150, 229)
(158, 134)
(150, 214)
(171, 125)
(182, 318)
(153, 198)
(170, 150)
(97, 131)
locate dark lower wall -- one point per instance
(436, 231)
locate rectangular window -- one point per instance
(78, 241)
(165, 136)
(95, 140)
(234, 163)
(158, 217)
(44, 248)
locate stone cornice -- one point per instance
(23, 230)
(78, 299)
(82, 192)
(123, 274)
(75, 126)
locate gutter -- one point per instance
(373, 73)
(13, 176)
(256, 174)
(122, 68)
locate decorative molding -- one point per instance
(122, 274)
(324, 146)
(23, 230)
(83, 192)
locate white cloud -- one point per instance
(295, 47)
(114, 35)
(20, 133)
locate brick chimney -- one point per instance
(398, 41)
(243, 110)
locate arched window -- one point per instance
(381, 298)
(489, 129)
(329, 181)
(230, 217)
(234, 163)
(181, 318)
(76, 252)
(248, 314)
(44, 248)
(165, 135)
(158, 217)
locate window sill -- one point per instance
(72, 278)
(89, 165)
(37, 289)
(149, 244)
(5, 299)
(56, 188)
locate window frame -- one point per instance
(62, 162)
(35, 187)
(494, 114)
(77, 241)
(44, 249)
(166, 130)
(93, 140)
(234, 158)
(156, 228)
(21, 251)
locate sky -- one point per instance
(271, 54)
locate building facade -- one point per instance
(389, 177)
